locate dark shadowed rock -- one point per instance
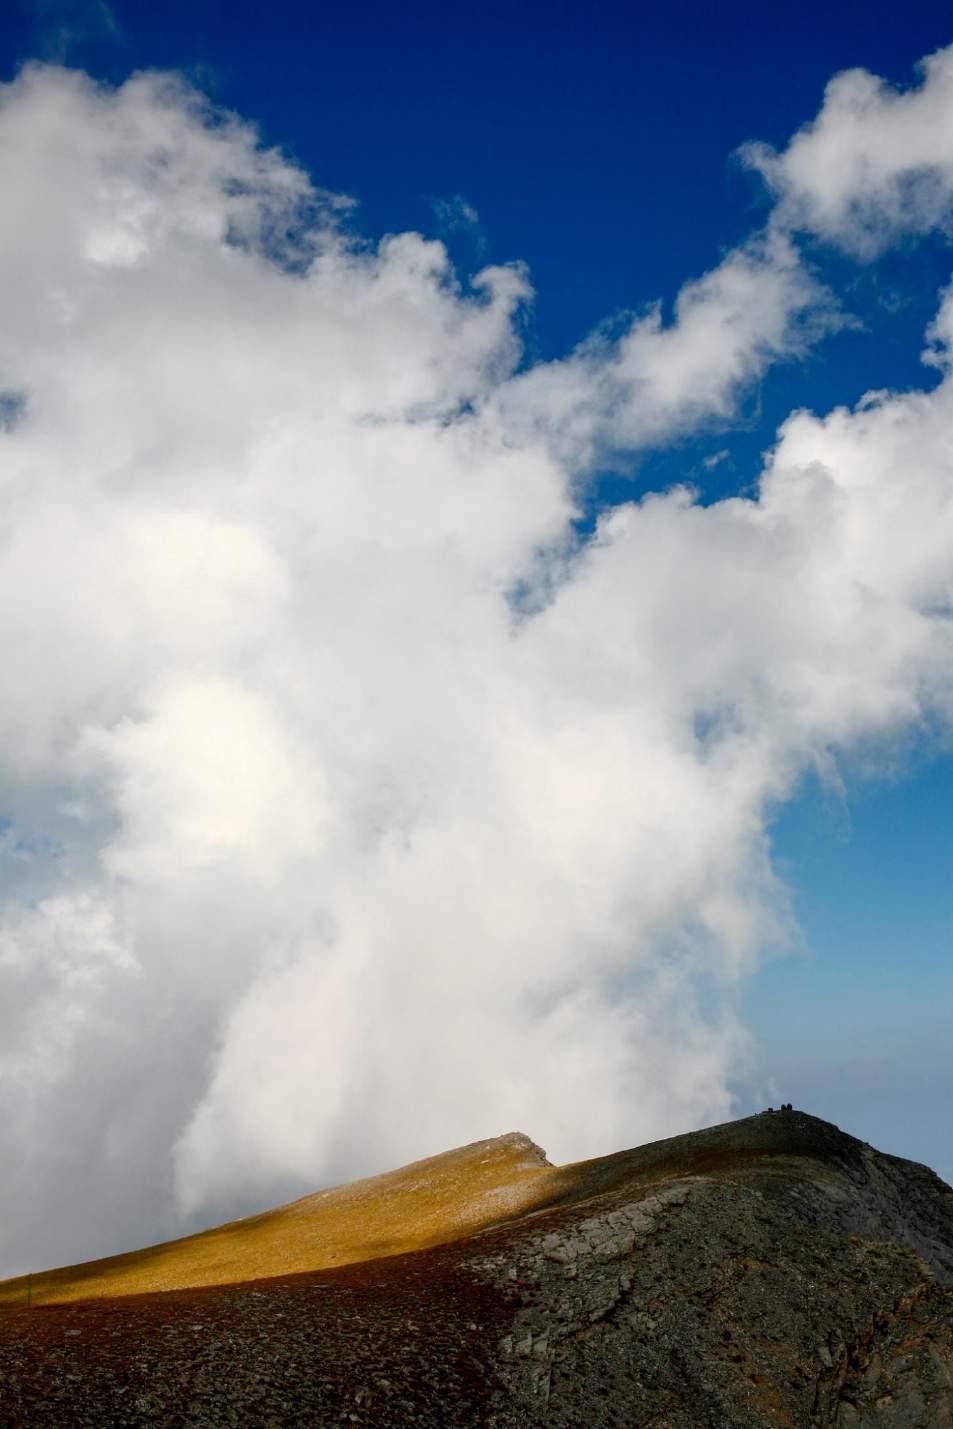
(769, 1272)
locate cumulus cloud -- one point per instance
(875, 164)
(355, 807)
(656, 381)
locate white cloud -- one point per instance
(875, 163)
(338, 855)
(660, 381)
(455, 213)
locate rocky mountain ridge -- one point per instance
(769, 1272)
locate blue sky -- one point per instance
(599, 147)
(859, 1020)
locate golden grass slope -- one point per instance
(427, 1203)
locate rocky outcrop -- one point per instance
(771, 1272)
(728, 1301)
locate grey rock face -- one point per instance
(793, 1289)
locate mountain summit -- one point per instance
(772, 1271)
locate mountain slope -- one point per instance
(771, 1272)
(425, 1203)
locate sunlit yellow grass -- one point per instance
(424, 1204)
(428, 1203)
